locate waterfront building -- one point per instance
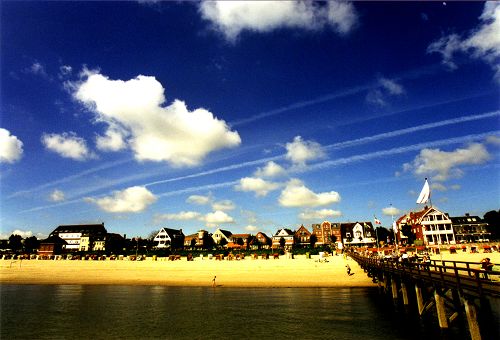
(260, 241)
(240, 241)
(325, 231)
(221, 237)
(429, 225)
(287, 235)
(53, 245)
(302, 237)
(358, 234)
(73, 234)
(470, 229)
(169, 238)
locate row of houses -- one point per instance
(429, 226)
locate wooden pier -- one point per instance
(451, 288)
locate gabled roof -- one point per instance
(301, 230)
(53, 240)
(242, 236)
(171, 232)
(226, 233)
(90, 229)
(287, 231)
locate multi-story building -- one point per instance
(169, 238)
(287, 235)
(73, 234)
(358, 234)
(430, 225)
(221, 236)
(325, 231)
(261, 241)
(302, 237)
(470, 229)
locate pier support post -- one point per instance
(470, 311)
(404, 291)
(394, 286)
(420, 299)
(441, 311)
(386, 283)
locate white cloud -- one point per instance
(223, 205)
(296, 194)
(67, 145)
(438, 186)
(391, 211)
(135, 116)
(199, 199)
(233, 17)
(493, 140)
(180, 216)
(112, 140)
(216, 218)
(11, 148)
(455, 187)
(57, 196)
(441, 165)
(319, 214)
(270, 170)
(22, 233)
(133, 199)
(483, 42)
(65, 71)
(386, 87)
(251, 228)
(300, 151)
(37, 69)
(260, 186)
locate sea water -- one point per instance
(158, 312)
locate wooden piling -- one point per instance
(470, 312)
(394, 286)
(404, 292)
(441, 311)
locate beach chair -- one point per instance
(255, 256)
(276, 256)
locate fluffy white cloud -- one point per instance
(133, 199)
(296, 194)
(483, 42)
(67, 145)
(386, 87)
(442, 165)
(391, 211)
(438, 186)
(11, 148)
(319, 214)
(199, 199)
(260, 186)
(216, 218)
(136, 116)
(233, 17)
(300, 151)
(270, 170)
(180, 216)
(223, 205)
(251, 228)
(22, 233)
(57, 196)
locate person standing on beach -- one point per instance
(213, 282)
(348, 269)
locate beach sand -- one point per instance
(282, 272)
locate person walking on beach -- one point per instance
(348, 269)
(213, 282)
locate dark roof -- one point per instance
(466, 219)
(226, 233)
(88, 229)
(53, 240)
(172, 232)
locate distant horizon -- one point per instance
(246, 116)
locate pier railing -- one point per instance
(466, 277)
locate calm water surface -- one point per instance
(154, 312)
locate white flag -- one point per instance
(395, 227)
(425, 194)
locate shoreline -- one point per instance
(282, 272)
(279, 273)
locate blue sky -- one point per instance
(246, 116)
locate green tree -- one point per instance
(282, 242)
(312, 240)
(31, 244)
(193, 243)
(406, 231)
(493, 219)
(15, 242)
(240, 242)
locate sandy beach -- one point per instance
(282, 272)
